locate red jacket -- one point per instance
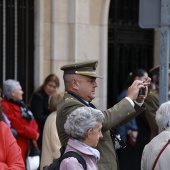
(10, 152)
(26, 129)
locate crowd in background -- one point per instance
(35, 122)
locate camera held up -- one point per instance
(142, 92)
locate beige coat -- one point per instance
(116, 116)
(152, 150)
(51, 143)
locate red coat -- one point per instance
(10, 152)
(26, 129)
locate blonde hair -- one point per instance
(54, 99)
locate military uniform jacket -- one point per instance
(116, 116)
(152, 105)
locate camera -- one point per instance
(142, 92)
(117, 140)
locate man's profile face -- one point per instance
(86, 87)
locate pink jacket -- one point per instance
(72, 163)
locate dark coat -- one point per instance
(116, 116)
(40, 110)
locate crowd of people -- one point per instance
(26, 122)
(53, 119)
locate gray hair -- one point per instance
(67, 79)
(81, 120)
(163, 116)
(10, 86)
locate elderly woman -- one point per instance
(156, 153)
(21, 118)
(10, 155)
(83, 126)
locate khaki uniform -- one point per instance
(152, 105)
(116, 116)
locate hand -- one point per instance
(35, 143)
(38, 135)
(140, 99)
(133, 90)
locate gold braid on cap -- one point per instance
(85, 72)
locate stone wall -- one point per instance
(69, 31)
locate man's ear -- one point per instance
(73, 83)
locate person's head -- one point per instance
(138, 74)
(54, 99)
(83, 86)
(84, 124)
(12, 90)
(51, 84)
(163, 116)
(156, 78)
(151, 87)
(80, 78)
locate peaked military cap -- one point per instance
(82, 68)
(155, 70)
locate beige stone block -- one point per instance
(47, 40)
(47, 53)
(63, 41)
(47, 68)
(61, 10)
(95, 11)
(88, 42)
(82, 11)
(47, 11)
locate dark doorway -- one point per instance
(17, 42)
(129, 46)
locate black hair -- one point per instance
(131, 77)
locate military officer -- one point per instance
(152, 102)
(80, 84)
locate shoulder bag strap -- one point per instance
(156, 160)
(77, 156)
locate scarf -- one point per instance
(95, 152)
(25, 112)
